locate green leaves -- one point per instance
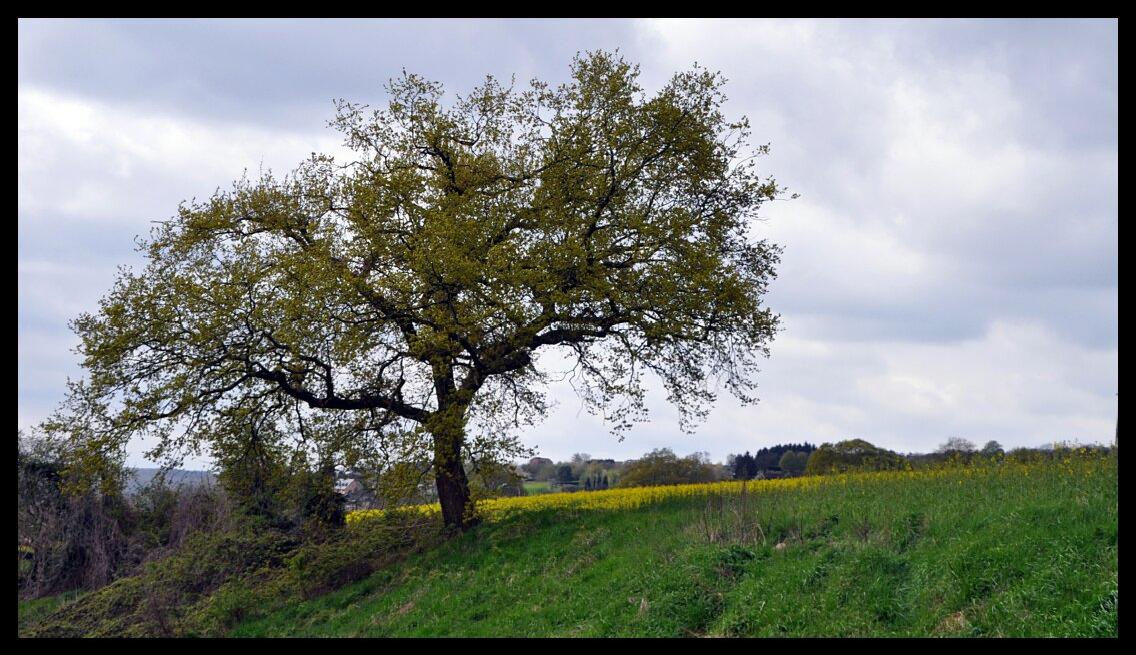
(424, 275)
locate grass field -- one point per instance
(537, 488)
(30, 611)
(1008, 550)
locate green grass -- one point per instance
(957, 553)
(31, 611)
(537, 488)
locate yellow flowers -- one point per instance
(493, 509)
(629, 498)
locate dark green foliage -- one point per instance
(254, 471)
(771, 456)
(564, 474)
(793, 463)
(321, 509)
(747, 466)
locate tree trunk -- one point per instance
(447, 427)
(449, 473)
(453, 493)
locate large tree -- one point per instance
(400, 301)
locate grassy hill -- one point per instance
(1006, 550)
(1009, 552)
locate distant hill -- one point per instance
(176, 477)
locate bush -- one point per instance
(67, 542)
(86, 541)
(151, 603)
(217, 579)
(663, 467)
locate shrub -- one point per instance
(217, 579)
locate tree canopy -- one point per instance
(662, 467)
(397, 305)
(957, 445)
(852, 455)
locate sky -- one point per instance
(950, 267)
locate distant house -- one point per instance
(347, 485)
(357, 495)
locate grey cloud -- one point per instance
(287, 72)
(957, 177)
(1049, 221)
(1066, 70)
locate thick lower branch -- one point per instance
(372, 401)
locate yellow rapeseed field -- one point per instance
(493, 509)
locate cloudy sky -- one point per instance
(950, 268)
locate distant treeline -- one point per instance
(783, 459)
(663, 466)
(139, 478)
